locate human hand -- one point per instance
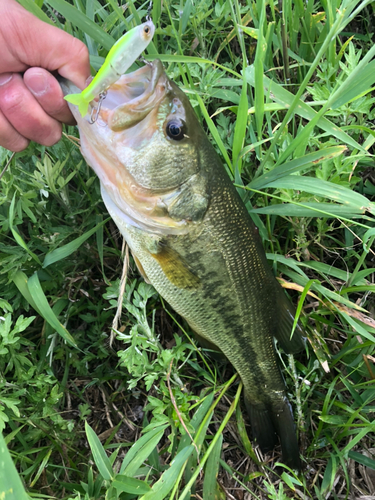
(32, 106)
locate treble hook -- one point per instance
(142, 59)
(148, 17)
(95, 116)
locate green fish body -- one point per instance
(193, 239)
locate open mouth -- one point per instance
(135, 86)
(130, 99)
(113, 144)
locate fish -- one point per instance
(193, 239)
(119, 59)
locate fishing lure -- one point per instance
(121, 56)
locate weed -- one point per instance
(285, 92)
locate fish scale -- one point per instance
(193, 239)
(231, 323)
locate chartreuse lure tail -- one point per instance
(80, 101)
(121, 56)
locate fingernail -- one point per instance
(37, 83)
(5, 78)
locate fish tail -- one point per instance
(80, 101)
(262, 427)
(270, 421)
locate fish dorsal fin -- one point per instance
(176, 268)
(286, 314)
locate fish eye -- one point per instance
(175, 130)
(146, 30)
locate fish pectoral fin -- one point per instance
(140, 269)
(175, 268)
(284, 328)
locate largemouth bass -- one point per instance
(192, 237)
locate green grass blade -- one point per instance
(361, 79)
(310, 209)
(290, 480)
(240, 127)
(185, 15)
(213, 442)
(357, 438)
(254, 33)
(36, 10)
(342, 19)
(258, 75)
(214, 132)
(156, 10)
(329, 270)
(20, 280)
(11, 487)
(328, 294)
(100, 243)
(191, 59)
(90, 13)
(98, 452)
(41, 467)
(140, 451)
(362, 459)
(167, 481)
(195, 422)
(66, 250)
(325, 209)
(346, 88)
(82, 22)
(361, 330)
(321, 188)
(244, 436)
(18, 238)
(131, 485)
(211, 471)
(201, 432)
(45, 310)
(329, 475)
(305, 162)
(119, 13)
(285, 98)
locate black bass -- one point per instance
(192, 237)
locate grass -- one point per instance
(285, 92)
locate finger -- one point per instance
(47, 91)
(40, 45)
(10, 138)
(77, 68)
(25, 114)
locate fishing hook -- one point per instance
(95, 116)
(142, 59)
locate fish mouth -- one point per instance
(129, 100)
(126, 120)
